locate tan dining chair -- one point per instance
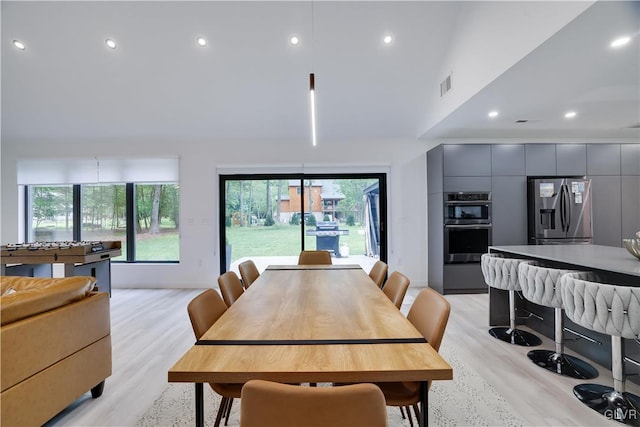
(429, 314)
(270, 404)
(314, 258)
(230, 287)
(379, 272)
(204, 310)
(249, 273)
(396, 288)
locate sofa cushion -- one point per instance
(34, 295)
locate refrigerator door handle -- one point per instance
(562, 208)
(567, 208)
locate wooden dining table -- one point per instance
(311, 324)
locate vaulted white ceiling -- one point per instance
(249, 82)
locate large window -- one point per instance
(143, 217)
(271, 218)
(51, 213)
(135, 201)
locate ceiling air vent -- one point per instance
(522, 121)
(445, 86)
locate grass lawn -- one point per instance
(276, 240)
(282, 240)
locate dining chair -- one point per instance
(396, 288)
(271, 404)
(230, 287)
(314, 258)
(204, 310)
(379, 272)
(429, 314)
(249, 273)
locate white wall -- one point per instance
(489, 38)
(405, 161)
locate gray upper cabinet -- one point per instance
(603, 159)
(540, 159)
(571, 159)
(630, 155)
(507, 159)
(467, 160)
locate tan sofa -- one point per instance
(55, 346)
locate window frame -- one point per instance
(302, 177)
(130, 201)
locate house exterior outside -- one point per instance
(325, 200)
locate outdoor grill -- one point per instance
(328, 236)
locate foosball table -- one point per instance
(80, 258)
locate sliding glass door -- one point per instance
(271, 218)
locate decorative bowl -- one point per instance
(633, 246)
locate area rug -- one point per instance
(468, 400)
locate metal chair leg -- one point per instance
(416, 410)
(228, 411)
(612, 402)
(221, 409)
(409, 415)
(513, 335)
(559, 362)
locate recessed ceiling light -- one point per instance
(294, 40)
(493, 114)
(110, 43)
(621, 41)
(570, 114)
(18, 44)
(387, 39)
(202, 42)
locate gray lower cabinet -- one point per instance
(463, 279)
(467, 183)
(435, 241)
(606, 193)
(509, 210)
(630, 206)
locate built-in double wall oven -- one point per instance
(467, 226)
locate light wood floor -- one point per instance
(151, 330)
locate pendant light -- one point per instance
(312, 88)
(312, 97)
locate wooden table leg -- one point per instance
(424, 404)
(199, 405)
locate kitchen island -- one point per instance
(613, 265)
(610, 261)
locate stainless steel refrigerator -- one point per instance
(559, 210)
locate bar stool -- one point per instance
(541, 285)
(613, 310)
(502, 273)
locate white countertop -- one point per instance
(606, 258)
